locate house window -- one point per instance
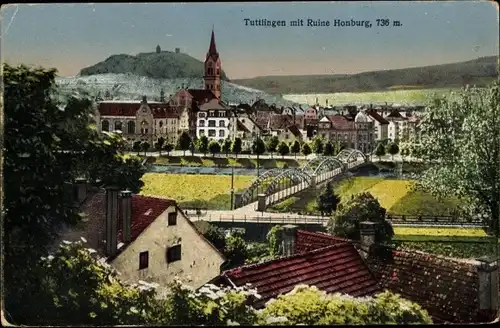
(211, 123)
(202, 123)
(131, 127)
(172, 218)
(221, 133)
(118, 126)
(173, 253)
(143, 260)
(160, 124)
(211, 133)
(222, 124)
(105, 126)
(222, 114)
(210, 71)
(218, 71)
(202, 132)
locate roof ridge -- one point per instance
(283, 258)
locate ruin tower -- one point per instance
(213, 69)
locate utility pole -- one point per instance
(232, 187)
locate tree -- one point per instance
(211, 233)
(362, 207)
(258, 146)
(214, 147)
(404, 150)
(236, 146)
(137, 146)
(184, 142)
(271, 144)
(168, 148)
(306, 149)
(380, 151)
(310, 306)
(192, 147)
(392, 149)
(327, 200)
(76, 288)
(283, 149)
(159, 144)
(49, 141)
(236, 251)
(295, 147)
(202, 145)
(145, 146)
(317, 145)
(274, 239)
(328, 151)
(460, 141)
(226, 146)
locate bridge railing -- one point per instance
(296, 219)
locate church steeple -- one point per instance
(212, 50)
(213, 68)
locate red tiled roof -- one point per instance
(130, 109)
(295, 131)
(446, 288)
(337, 268)
(280, 122)
(262, 118)
(144, 211)
(377, 117)
(306, 241)
(118, 108)
(340, 122)
(241, 127)
(201, 94)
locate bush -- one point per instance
(310, 306)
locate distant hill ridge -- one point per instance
(480, 71)
(163, 64)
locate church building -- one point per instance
(183, 112)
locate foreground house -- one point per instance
(451, 290)
(145, 238)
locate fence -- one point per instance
(434, 220)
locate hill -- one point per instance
(133, 87)
(480, 71)
(165, 64)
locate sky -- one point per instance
(72, 36)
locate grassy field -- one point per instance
(191, 191)
(441, 232)
(394, 195)
(412, 96)
(225, 162)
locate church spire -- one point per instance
(212, 50)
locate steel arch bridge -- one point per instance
(278, 184)
(286, 184)
(350, 155)
(250, 194)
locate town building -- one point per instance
(144, 238)
(451, 290)
(138, 121)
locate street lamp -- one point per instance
(232, 187)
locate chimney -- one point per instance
(144, 100)
(111, 220)
(288, 242)
(367, 234)
(177, 50)
(81, 189)
(487, 271)
(126, 215)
